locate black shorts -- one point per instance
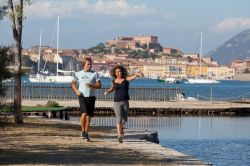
(87, 105)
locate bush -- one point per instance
(6, 57)
(52, 104)
(7, 107)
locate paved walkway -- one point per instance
(151, 104)
(45, 142)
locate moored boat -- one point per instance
(201, 81)
(170, 80)
(65, 77)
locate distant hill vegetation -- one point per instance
(237, 47)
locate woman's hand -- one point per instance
(139, 74)
(134, 76)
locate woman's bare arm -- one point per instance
(134, 76)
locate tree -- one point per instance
(15, 9)
(26, 61)
(3, 10)
(6, 57)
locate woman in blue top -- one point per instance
(120, 85)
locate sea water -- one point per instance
(225, 90)
(222, 141)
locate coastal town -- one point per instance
(123, 82)
(137, 53)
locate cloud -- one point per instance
(120, 8)
(50, 8)
(231, 24)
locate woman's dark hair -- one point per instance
(123, 70)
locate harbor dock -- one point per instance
(159, 107)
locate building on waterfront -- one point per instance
(154, 70)
(196, 71)
(241, 66)
(175, 67)
(148, 56)
(139, 67)
(226, 72)
(222, 72)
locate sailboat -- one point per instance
(201, 79)
(53, 78)
(39, 77)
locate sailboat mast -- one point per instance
(200, 53)
(39, 51)
(57, 44)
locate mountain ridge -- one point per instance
(238, 47)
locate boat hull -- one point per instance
(201, 81)
(55, 79)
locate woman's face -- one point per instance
(118, 73)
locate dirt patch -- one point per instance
(43, 142)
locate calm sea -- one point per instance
(222, 141)
(225, 90)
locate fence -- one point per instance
(64, 92)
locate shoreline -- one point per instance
(154, 108)
(55, 142)
(70, 108)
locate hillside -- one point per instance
(237, 47)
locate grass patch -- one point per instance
(41, 108)
(50, 106)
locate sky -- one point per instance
(177, 23)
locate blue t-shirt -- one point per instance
(84, 77)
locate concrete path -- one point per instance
(151, 104)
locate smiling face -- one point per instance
(87, 66)
(118, 73)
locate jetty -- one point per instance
(42, 141)
(161, 108)
(144, 101)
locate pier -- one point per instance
(160, 108)
(152, 101)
